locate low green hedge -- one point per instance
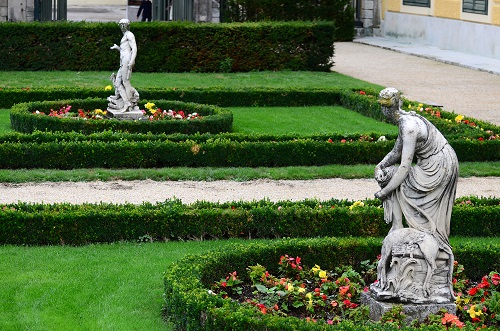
(40, 224)
(189, 305)
(169, 46)
(214, 119)
(28, 153)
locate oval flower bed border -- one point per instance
(213, 119)
(190, 305)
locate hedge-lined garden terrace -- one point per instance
(53, 150)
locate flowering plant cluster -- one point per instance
(298, 291)
(458, 120)
(153, 113)
(65, 112)
(478, 303)
(362, 138)
(333, 296)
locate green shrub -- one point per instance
(339, 11)
(169, 47)
(190, 306)
(24, 119)
(40, 224)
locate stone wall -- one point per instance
(206, 11)
(4, 11)
(451, 34)
(370, 18)
(17, 11)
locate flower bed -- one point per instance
(87, 116)
(333, 296)
(190, 302)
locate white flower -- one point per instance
(37, 112)
(382, 138)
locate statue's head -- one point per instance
(390, 101)
(124, 24)
(389, 97)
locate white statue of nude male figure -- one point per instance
(126, 97)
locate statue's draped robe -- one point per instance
(427, 194)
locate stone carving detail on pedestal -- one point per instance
(124, 103)
(416, 264)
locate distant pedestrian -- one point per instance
(147, 10)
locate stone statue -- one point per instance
(126, 97)
(416, 264)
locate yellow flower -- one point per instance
(289, 287)
(309, 296)
(301, 290)
(149, 105)
(316, 269)
(108, 88)
(153, 111)
(459, 118)
(473, 313)
(99, 112)
(356, 204)
(460, 302)
(322, 274)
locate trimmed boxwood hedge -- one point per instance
(214, 119)
(40, 224)
(189, 305)
(169, 46)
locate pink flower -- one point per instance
(495, 279)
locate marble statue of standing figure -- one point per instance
(126, 97)
(422, 192)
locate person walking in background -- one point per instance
(146, 8)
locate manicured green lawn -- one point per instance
(305, 120)
(96, 287)
(275, 79)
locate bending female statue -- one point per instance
(423, 193)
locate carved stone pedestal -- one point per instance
(412, 311)
(133, 115)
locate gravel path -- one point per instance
(462, 90)
(216, 191)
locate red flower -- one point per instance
(362, 92)
(480, 138)
(223, 284)
(330, 140)
(349, 304)
(472, 291)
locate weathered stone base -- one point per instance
(129, 115)
(412, 311)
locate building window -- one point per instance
(475, 7)
(419, 3)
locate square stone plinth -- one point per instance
(129, 115)
(413, 311)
